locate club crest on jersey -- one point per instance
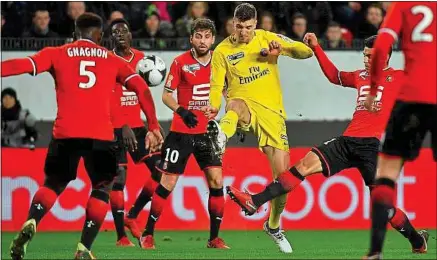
(389, 79)
(191, 68)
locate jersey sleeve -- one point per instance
(343, 78)
(393, 21)
(42, 61)
(294, 49)
(174, 76)
(218, 78)
(387, 35)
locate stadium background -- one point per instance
(317, 111)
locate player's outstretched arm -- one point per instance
(293, 49)
(331, 72)
(38, 63)
(17, 67)
(387, 35)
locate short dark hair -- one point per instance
(119, 20)
(88, 20)
(378, 6)
(333, 24)
(298, 16)
(203, 24)
(40, 10)
(244, 12)
(369, 42)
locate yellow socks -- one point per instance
(228, 123)
(278, 205)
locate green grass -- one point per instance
(244, 244)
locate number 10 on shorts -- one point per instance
(171, 156)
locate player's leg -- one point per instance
(116, 196)
(211, 165)
(150, 160)
(237, 111)
(404, 135)
(329, 158)
(60, 168)
(176, 150)
(366, 156)
(279, 163)
(100, 161)
(145, 195)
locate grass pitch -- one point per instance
(244, 244)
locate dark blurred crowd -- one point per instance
(338, 23)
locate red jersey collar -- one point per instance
(193, 54)
(129, 60)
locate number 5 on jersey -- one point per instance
(86, 73)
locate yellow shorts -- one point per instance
(267, 125)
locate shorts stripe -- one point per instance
(211, 167)
(389, 156)
(323, 158)
(147, 156)
(164, 172)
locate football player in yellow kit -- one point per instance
(246, 62)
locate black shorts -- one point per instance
(139, 154)
(99, 158)
(407, 127)
(346, 152)
(178, 147)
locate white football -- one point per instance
(152, 69)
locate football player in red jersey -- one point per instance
(415, 110)
(356, 148)
(129, 130)
(190, 75)
(85, 75)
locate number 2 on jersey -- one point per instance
(86, 73)
(418, 35)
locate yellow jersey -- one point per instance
(247, 74)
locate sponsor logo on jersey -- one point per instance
(285, 38)
(233, 57)
(255, 73)
(192, 68)
(129, 98)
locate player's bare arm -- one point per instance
(129, 139)
(189, 118)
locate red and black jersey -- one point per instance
(85, 75)
(125, 106)
(365, 123)
(191, 79)
(416, 23)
